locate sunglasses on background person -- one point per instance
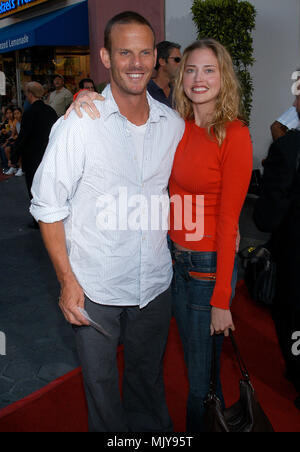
(176, 59)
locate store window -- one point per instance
(40, 64)
(8, 66)
(73, 64)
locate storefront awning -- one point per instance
(65, 27)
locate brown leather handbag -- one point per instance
(246, 415)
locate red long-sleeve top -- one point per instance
(220, 176)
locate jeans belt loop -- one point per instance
(190, 259)
(186, 275)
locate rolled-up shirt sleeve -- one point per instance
(59, 173)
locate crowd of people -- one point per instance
(11, 144)
(167, 122)
(9, 131)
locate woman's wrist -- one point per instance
(77, 94)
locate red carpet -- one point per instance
(60, 406)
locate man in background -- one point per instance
(290, 118)
(287, 121)
(277, 211)
(168, 59)
(61, 98)
(36, 125)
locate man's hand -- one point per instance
(85, 100)
(221, 321)
(72, 298)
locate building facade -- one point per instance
(277, 56)
(41, 37)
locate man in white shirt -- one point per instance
(92, 195)
(61, 98)
(290, 118)
(287, 121)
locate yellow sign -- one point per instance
(9, 7)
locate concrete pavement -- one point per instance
(39, 342)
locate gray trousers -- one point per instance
(144, 333)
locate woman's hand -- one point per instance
(221, 321)
(85, 100)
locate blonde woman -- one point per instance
(214, 162)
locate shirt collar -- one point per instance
(110, 106)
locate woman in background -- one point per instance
(6, 130)
(9, 146)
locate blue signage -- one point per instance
(11, 6)
(7, 6)
(65, 27)
(17, 42)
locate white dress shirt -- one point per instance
(138, 134)
(290, 118)
(89, 162)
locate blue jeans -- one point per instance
(192, 310)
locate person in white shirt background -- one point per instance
(61, 98)
(86, 196)
(287, 121)
(290, 118)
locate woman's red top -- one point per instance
(220, 177)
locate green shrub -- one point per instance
(230, 22)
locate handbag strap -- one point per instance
(213, 376)
(241, 363)
(242, 366)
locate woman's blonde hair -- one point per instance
(228, 104)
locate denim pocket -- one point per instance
(199, 294)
